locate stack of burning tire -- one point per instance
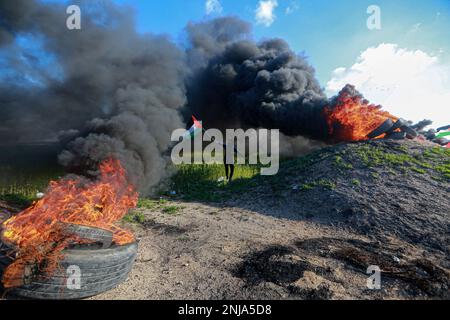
(398, 130)
(84, 270)
(402, 129)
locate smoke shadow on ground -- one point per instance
(286, 266)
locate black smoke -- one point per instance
(116, 92)
(242, 83)
(109, 91)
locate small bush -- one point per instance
(340, 163)
(328, 184)
(135, 217)
(172, 209)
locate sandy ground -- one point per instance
(225, 252)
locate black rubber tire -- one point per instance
(104, 237)
(397, 125)
(410, 132)
(101, 270)
(4, 216)
(396, 136)
(383, 128)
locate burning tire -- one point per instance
(100, 236)
(396, 136)
(399, 124)
(83, 273)
(383, 128)
(410, 133)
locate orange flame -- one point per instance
(36, 233)
(353, 118)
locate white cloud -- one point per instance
(213, 6)
(410, 84)
(265, 12)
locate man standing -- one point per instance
(229, 168)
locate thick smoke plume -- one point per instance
(108, 91)
(241, 83)
(115, 93)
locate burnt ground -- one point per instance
(310, 232)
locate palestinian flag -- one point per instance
(443, 134)
(194, 130)
(446, 132)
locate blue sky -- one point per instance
(331, 33)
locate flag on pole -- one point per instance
(443, 134)
(444, 128)
(195, 129)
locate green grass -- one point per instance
(433, 160)
(307, 187)
(17, 200)
(201, 182)
(26, 182)
(444, 169)
(341, 163)
(418, 170)
(198, 182)
(151, 204)
(164, 205)
(376, 156)
(375, 175)
(324, 183)
(443, 154)
(135, 217)
(172, 209)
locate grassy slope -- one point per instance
(201, 182)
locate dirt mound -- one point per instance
(377, 188)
